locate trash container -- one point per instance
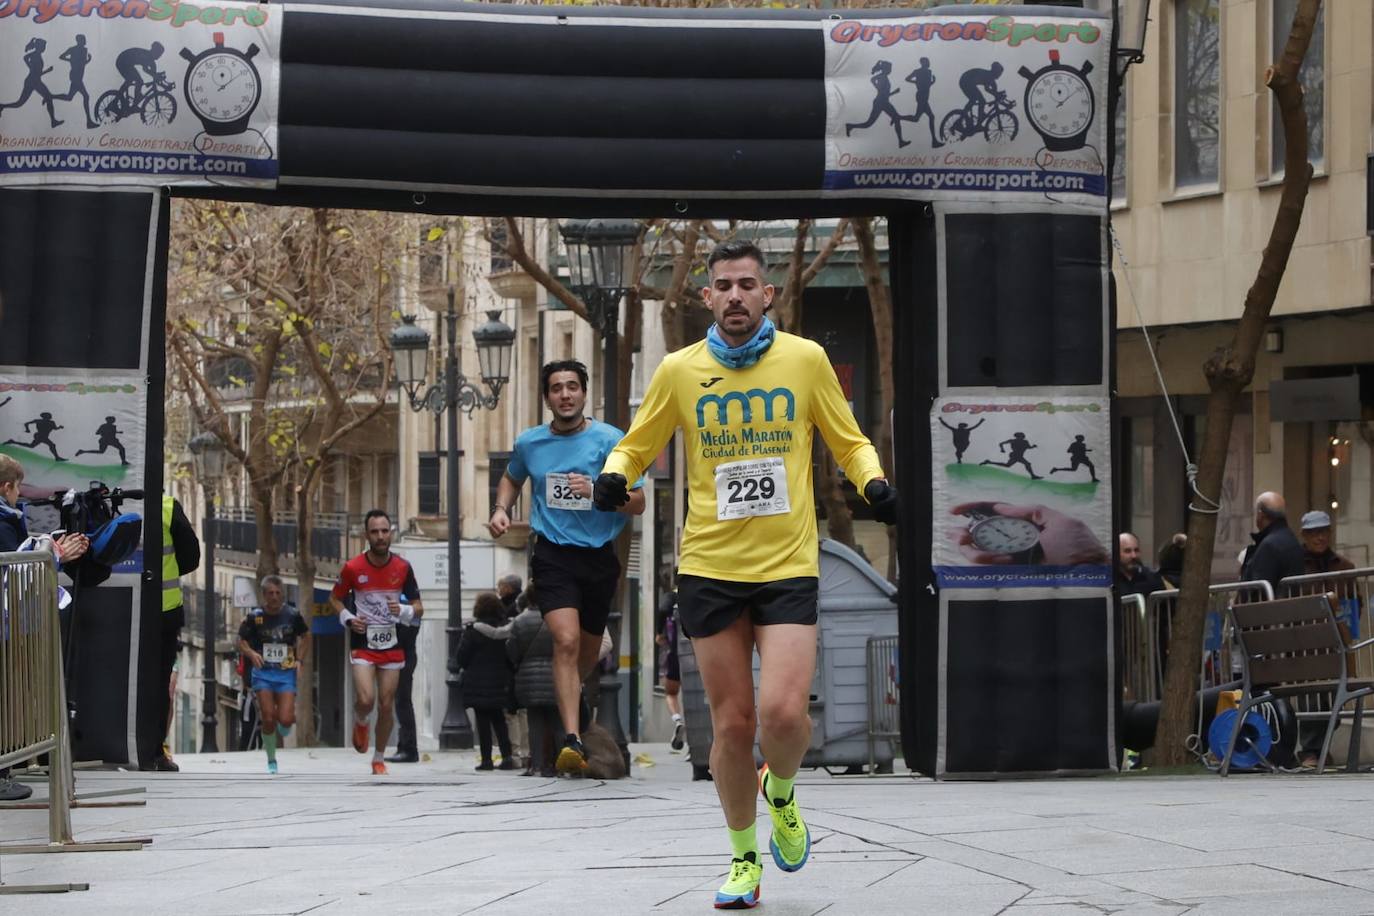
(855, 603)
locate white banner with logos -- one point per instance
(69, 430)
(138, 92)
(1021, 492)
(968, 106)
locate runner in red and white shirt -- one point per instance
(384, 594)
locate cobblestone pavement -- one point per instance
(327, 837)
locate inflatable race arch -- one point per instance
(981, 132)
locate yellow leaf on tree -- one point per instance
(435, 233)
(325, 349)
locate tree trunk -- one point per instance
(880, 304)
(839, 521)
(1228, 371)
(305, 589)
(260, 492)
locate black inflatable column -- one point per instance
(83, 288)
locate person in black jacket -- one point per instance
(486, 676)
(14, 530)
(1276, 553)
(531, 653)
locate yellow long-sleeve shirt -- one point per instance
(750, 511)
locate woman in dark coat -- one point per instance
(531, 652)
(486, 676)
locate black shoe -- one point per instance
(484, 766)
(676, 743)
(164, 764)
(548, 773)
(13, 791)
(508, 764)
(404, 757)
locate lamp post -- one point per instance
(600, 256)
(207, 455)
(410, 346)
(1131, 19)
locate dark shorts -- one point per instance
(707, 606)
(668, 666)
(578, 577)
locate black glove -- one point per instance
(883, 499)
(609, 492)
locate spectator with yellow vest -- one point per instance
(180, 555)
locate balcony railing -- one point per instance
(235, 528)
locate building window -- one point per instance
(1197, 92)
(1119, 144)
(1312, 76)
(429, 483)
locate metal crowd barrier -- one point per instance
(1138, 648)
(33, 701)
(1351, 589)
(1217, 666)
(884, 696)
(33, 706)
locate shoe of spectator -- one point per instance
(404, 757)
(13, 791)
(164, 764)
(507, 764)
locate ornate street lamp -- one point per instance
(1131, 19)
(410, 349)
(600, 254)
(208, 458)
(600, 263)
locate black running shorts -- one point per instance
(707, 606)
(579, 577)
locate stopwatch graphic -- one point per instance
(1016, 537)
(1060, 103)
(223, 87)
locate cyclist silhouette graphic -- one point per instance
(33, 83)
(132, 60)
(106, 438)
(1019, 446)
(994, 119)
(961, 437)
(922, 78)
(77, 57)
(145, 92)
(882, 102)
(974, 82)
(43, 427)
(1078, 456)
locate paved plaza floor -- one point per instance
(327, 837)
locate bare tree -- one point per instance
(1229, 370)
(277, 323)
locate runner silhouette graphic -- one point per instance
(1019, 446)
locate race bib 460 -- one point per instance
(380, 638)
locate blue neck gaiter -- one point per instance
(747, 353)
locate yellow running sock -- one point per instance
(779, 790)
(743, 841)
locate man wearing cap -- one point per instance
(1317, 555)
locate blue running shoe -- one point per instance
(741, 891)
(272, 767)
(790, 841)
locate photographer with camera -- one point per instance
(14, 531)
(180, 556)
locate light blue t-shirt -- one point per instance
(543, 457)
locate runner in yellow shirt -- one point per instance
(748, 399)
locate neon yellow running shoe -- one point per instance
(741, 891)
(790, 841)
